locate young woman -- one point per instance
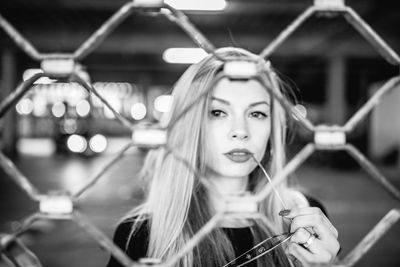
(221, 136)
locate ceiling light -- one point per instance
(209, 5)
(163, 103)
(184, 55)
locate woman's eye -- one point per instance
(217, 113)
(258, 115)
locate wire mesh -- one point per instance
(60, 206)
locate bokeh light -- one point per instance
(163, 103)
(83, 108)
(24, 106)
(70, 126)
(76, 143)
(58, 109)
(138, 111)
(98, 143)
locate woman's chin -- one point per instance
(235, 174)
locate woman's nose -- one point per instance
(239, 130)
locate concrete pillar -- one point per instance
(336, 90)
(8, 124)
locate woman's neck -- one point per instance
(227, 186)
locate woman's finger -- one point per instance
(307, 258)
(306, 239)
(310, 216)
(314, 224)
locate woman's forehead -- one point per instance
(239, 90)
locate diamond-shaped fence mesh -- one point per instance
(60, 205)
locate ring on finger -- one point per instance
(309, 241)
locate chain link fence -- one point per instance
(60, 205)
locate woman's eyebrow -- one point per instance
(220, 100)
(259, 103)
(228, 103)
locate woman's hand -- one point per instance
(314, 242)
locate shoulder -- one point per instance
(132, 237)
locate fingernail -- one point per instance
(284, 213)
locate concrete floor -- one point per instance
(354, 201)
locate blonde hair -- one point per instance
(177, 205)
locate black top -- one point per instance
(241, 239)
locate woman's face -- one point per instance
(238, 126)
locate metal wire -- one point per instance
(206, 182)
(21, 180)
(290, 109)
(205, 230)
(21, 90)
(287, 32)
(270, 181)
(19, 39)
(102, 239)
(371, 238)
(266, 76)
(182, 21)
(372, 170)
(90, 88)
(293, 164)
(372, 37)
(371, 103)
(97, 177)
(101, 34)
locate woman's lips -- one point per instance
(238, 155)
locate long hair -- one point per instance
(177, 205)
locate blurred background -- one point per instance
(60, 137)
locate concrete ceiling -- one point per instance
(63, 25)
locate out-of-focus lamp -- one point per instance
(138, 111)
(58, 109)
(184, 55)
(77, 143)
(24, 106)
(206, 5)
(163, 103)
(98, 143)
(83, 108)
